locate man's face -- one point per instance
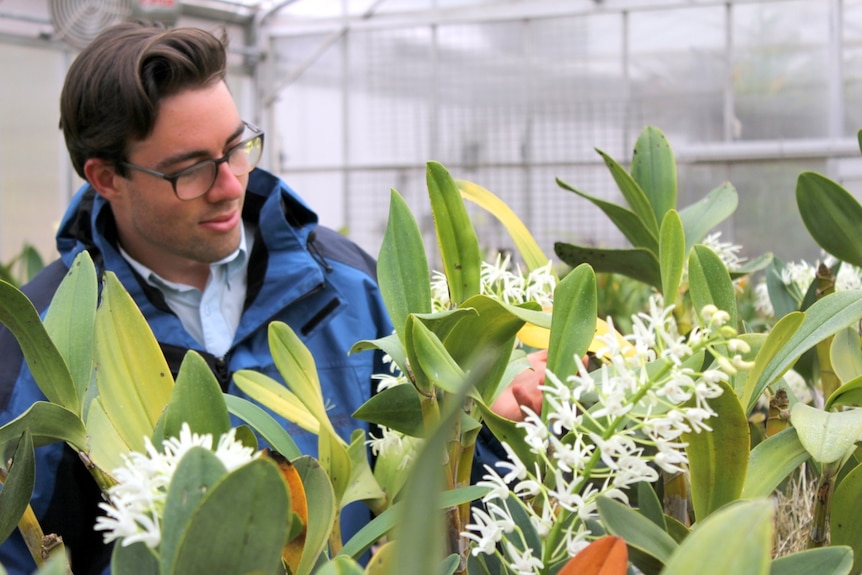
(173, 237)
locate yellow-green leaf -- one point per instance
(671, 255)
(654, 170)
(827, 436)
(277, 397)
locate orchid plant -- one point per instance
(642, 456)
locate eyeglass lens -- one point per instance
(198, 181)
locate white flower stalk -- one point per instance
(137, 502)
(605, 431)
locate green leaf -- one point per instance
(776, 341)
(250, 505)
(719, 546)
(321, 499)
(650, 506)
(41, 355)
(784, 301)
(846, 354)
(487, 335)
(402, 267)
(132, 376)
(390, 345)
(198, 400)
(340, 565)
(633, 194)
(831, 215)
(845, 522)
(636, 263)
(397, 407)
(671, 255)
(573, 323)
(833, 560)
(654, 169)
(335, 460)
(459, 246)
(434, 359)
(638, 531)
(771, 461)
(18, 488)
(824, 318)
(386, 521)
(827, 436)
(297, 368)
(362, 485)
(263, 423)
(699, 218)
(524, 242)
(275, 396)
(628, 222)
(718, 459)
(196, 474)
(848, 394)
(47, 423)
(136, 558)
(71, 320)
(709, 282)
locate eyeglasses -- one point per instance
(198, 179)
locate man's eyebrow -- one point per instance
(195, 154)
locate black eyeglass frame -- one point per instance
(172, 178)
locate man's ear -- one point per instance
(102, 175)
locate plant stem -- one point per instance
(822, 503)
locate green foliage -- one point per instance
(23, 267)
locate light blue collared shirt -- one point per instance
(211, 316)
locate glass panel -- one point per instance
(780, 67)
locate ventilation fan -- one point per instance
(78, 22)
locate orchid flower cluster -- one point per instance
(137, 501)
(604, 431)
(797, 277)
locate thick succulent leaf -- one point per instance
(845, 521)
(132, 376)
(402, 267)
(249, 505)
(196, 474)
(705, 550)
(18, 488)
(831, 215)
(47, 423)
(321, 500)
(435, 360)
(136, 558)
(846, 354)
(639, 532)
(833, 560)
(671, 254)
(386, 521)
(824, 318)
(41, 355)
(197, 399)
(390, 345)
(362, 485)
(827, 436)
(701, 217)
(710, 283)
(635, 197)
(262, 422)
(459, 246)
(397, 407)
(718, 459)
(297, 368)
(771, 461)
(341, 565)
(848, 394)
(335, 460)
(637, 263)
(71, 320)
(654, 169)
(627, 221)
(275, 396)
(526, 245)
(650, 506)
(573, 324)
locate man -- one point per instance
(211, 249)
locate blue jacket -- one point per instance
(307, 276)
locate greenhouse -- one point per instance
(430, 287)
(356, 96)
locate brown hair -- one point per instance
(113, 89)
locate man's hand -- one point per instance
(524, 389)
